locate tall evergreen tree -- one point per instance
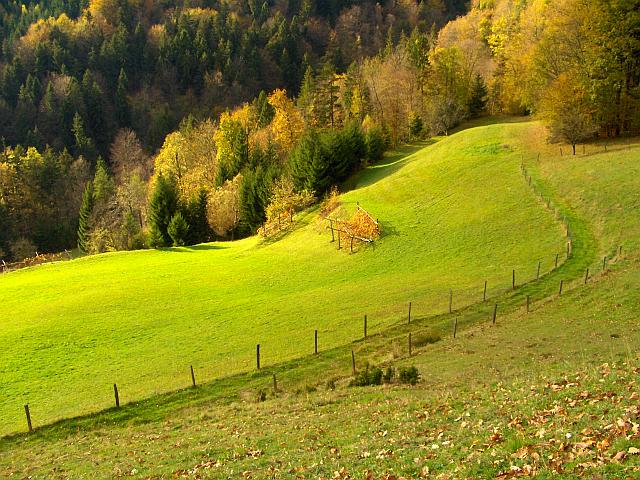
(162, 208)
(478, 97)
(123, 114)
(85, 214)
(83, 144)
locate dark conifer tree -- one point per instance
(162, 208)
(85, 215)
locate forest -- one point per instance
(139, 123)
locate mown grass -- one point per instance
(453, 214)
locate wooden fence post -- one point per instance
(561, 283)
(333, 238)
(28, 414)
(528, 303)
(455, 327)
(495, 313)
(258, 356)
(351, 248)
(557, 255)
(513, 279)
(115, 393)
(620, 251)
(604, 263)
(316, 341)
(410, 345)
(353, 362)
(484, 295)
(275, 384)
(365, 326)
(450, 301)
(568, 248)
(409, 313)
(538, 274)
(193, 377)
(586, 276)
(339, 246)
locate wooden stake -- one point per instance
(604, 263)
(115, 392)
(538, 274)
(620, 251)
(450, 301)
(586, 276)
(353, 362)
(351, 248)
(28, 414)
(513, 279)
(484, 295)
(339, 246)
(561, 283)
(568, 249)
(365, 326)
(455, 327)
(193, 377)
(410, 344)
(258, 356)
(275, 384)
(316, 342)
(557, 255)
(409, 313)
(333, 238)
(495, 313)
(528, 303)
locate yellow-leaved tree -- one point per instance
(189, 155)
(288, 124)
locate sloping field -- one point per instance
(552, 393)
(453, 214)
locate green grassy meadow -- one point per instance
(551, 393)
(453, 214)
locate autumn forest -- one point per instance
(130, 124)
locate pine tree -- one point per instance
(162, 208)
(478, 98)
(123, 115)
(85, 213)
(103, 186)
(195, 214)
(83, 144)
(178, 229)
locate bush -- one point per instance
(408, 375)
(367, 377)
(376, 144)
(331, 384)
(389, 375)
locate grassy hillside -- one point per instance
(551, 392)
(453, 214)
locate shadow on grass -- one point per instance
(391, 163)
(193, 248)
